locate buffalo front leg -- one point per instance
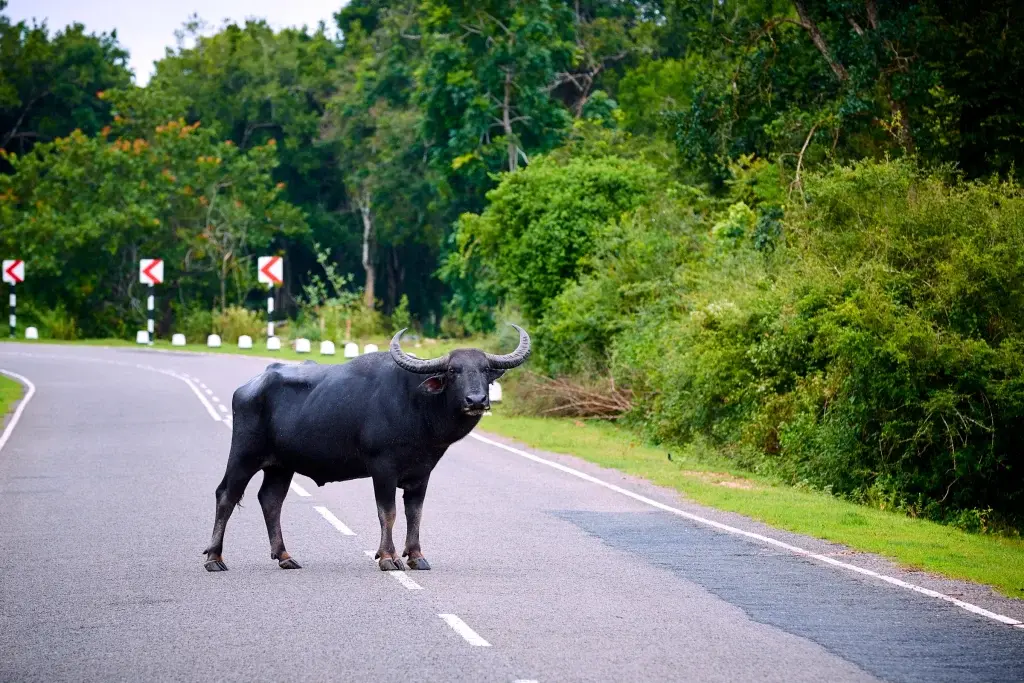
(384, 487)
(228, 493)
(413, 498)
(272, 494)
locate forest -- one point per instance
(786, 231)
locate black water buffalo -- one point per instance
(387, 416)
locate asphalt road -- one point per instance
(106, 502)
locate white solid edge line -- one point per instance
(463, 629)
(399, 576)
(757, 537)
(209, 406)
(299, 491)
(21, 404)
(334, 521)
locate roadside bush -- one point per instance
(632, 271)
(330, 310)
(195, 321)
(234, 321)
(876, 352)
(52, 323)
(880, 357)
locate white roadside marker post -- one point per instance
(14, 318)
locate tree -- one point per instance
(251, 84)
(49, 84)
(375, 132)
(85, 209)
(534, 238)
(484, 88)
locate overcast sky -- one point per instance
(146, 28)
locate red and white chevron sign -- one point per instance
(270, 270)
(151, 271)
(14, 271)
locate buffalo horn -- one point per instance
(407, 362)
(517, 357)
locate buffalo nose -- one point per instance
(476, 401)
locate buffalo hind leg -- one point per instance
(413, 498)
(228, 493)
(384, 486)
(271, 496)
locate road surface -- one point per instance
(107, 484)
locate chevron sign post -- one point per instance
(151, 272)
(270, 272)
(13, 274)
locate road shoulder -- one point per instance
(978, 594)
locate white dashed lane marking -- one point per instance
(299, 491)
(398, 576)
(334, 521)
(463, 629)
(223, 408)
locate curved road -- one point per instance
(106, 486)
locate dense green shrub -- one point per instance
(51, 323)
(875, 350)
(631, 273)
(195, 321)
(538, 229)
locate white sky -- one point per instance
(146, 29)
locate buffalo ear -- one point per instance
(434, 385)
(496, 374)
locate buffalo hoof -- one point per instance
(418, 563)
(289, 563)
(388, 564)
(215, 566)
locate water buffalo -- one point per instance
(388, 416)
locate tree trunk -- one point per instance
(369, 249)
(392, 282)
(224, 281)
(819, 40)
(506, 122)
(871, 7)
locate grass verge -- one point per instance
(994, 560)
(10, 391)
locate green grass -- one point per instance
(913, 543)
(10, 391)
